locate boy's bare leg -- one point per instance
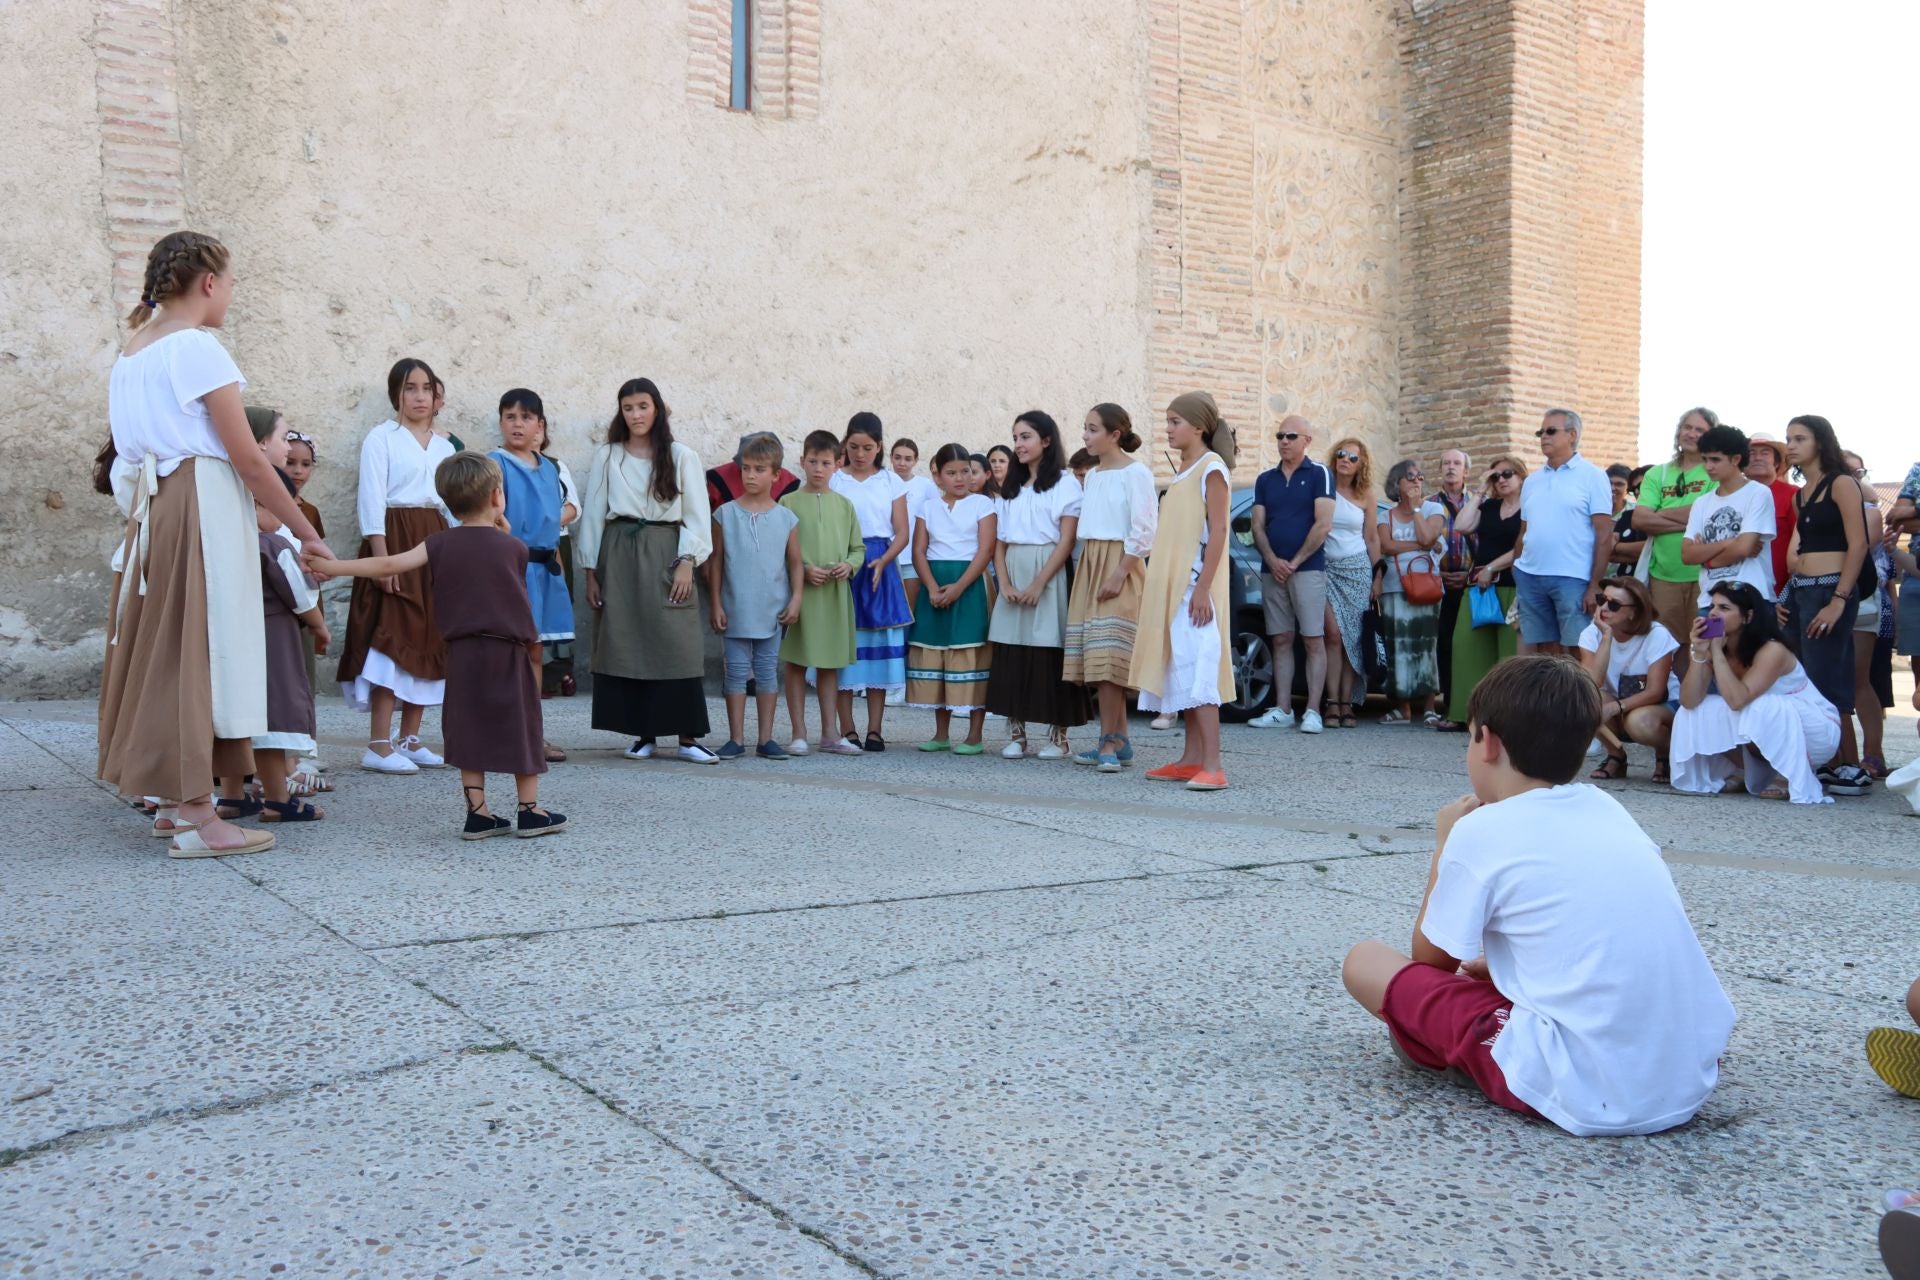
(976, 724)
(271, 768)
(1369, 968)
(737, 715)
(831, 727)
(797, 699)
(764, 701)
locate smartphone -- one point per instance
(1714, 627)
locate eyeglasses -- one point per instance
(1286, 436)
(1494, 476)
(1547, 431)
(1345, 455)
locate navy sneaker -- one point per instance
(732, 750)
(769, 750)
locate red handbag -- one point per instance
(1421, 586)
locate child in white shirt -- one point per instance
(1552, 960)
(1731, 527)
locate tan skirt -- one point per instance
(156, 683)
(1099, 646)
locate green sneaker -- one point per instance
(969, 748)
(937, 744)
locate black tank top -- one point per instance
(1821, 528)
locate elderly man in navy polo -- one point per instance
(1566, 531)
(1292, 515)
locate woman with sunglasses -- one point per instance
(1352, 546)
(1409, 530)
(1629, 654)
(1749, 715)
(1495, 520)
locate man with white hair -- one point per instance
(1566, 531)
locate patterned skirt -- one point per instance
(880, 621)
(948, 654)
(1100, 633)
(1349, 582)
(1413, 635)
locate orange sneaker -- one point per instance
(1173, 772)
(1202, 780)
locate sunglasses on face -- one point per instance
(1609, 602)
(1547, 431)
(1494, 476)
(1287, 436)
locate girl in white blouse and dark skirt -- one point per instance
(392, 652)
(1038, 510)
(645, 526)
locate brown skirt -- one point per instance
(156, 684)
(1100, 633)
(398, 624)
(492, 721)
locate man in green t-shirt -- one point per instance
(1665, 495)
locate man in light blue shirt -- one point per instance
(1566, 531)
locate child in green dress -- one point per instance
(830, 551)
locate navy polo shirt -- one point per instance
(1289, 508)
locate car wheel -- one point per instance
(1252, 676)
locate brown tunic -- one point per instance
(491, 718)
(289, 695)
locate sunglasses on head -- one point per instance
(1346, 455)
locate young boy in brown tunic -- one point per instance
(477, 575)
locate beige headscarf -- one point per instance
(1198, 408)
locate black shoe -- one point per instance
(1849, 780)
(535, 823)
(875, 743)
(480, 825)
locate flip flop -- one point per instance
(188, 844)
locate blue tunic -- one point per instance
(533, 509)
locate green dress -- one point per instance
(829, 535)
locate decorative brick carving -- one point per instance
(784, 62)
(142, 184)
(1326, 219)
(1326, 63)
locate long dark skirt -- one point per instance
(1025, 684)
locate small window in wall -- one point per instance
(741, 95)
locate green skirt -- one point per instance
(1476, 651)
(962, 623)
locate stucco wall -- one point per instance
(525, 195)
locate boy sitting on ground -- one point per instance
(1552, 961)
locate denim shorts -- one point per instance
(1552, 609)
(755, 659)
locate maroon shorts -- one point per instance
(1445, 1020)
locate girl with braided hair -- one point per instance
(184, 684)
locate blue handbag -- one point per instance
(1485, 608)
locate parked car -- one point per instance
(1247, 629)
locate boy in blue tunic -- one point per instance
(536, 510)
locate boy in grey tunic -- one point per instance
(754, 581)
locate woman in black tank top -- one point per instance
(1825, 559)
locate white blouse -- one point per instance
(618, 484)
(872, 500)
(1348, 537)
(953, 533)
(568, 493)
(1120, 506)
(154, 399)
(396, 472)
(1033, 519)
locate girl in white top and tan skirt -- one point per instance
(644, 528)
(183, 686)
(392, 652)
(1117, 517)
(1181, 660)
(1038, 514)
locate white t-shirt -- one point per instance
(1632, 657)
(872, 500)
(953, 533)
(1405, 560)
(1033, 519)
(1618, 1021)
(1712, 518)
(154, 400)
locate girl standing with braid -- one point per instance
(184, 684)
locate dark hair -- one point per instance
(397, 377)
(173, 264)
(1727, 441)
(992, 488)
(521, 398)
(1117, 423)
(1644, 613)
(666, 483)
(466, 481)
(293, 490)
(1053, 458)
(1825, 443)
(1545, 711)
(980, 458)
(260, 421)
(1760, 625)
(103, 466)
(904, 443)
(1080, 461)
(820, 442)
(763, 447)
(951, 453)
(1396, 476)
(867, 424)
(1620, 471)
(1638, 474)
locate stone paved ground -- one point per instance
(898, 1015)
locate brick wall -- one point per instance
(142, 185)
(784, 62)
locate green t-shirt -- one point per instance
(1668, 486)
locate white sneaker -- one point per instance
(896, 697)
(1310, 722)
(1013, 751)
(694, 753)
(639, 750)
(1052, 751)
(412, 749)
(1274, 717)
(841, 747)
(798, 747)
(395, 763)
(1160, 722)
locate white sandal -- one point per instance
(169, 813)
(190, 844)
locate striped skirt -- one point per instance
(1099, 647)
(948, 655)
(880, 621)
